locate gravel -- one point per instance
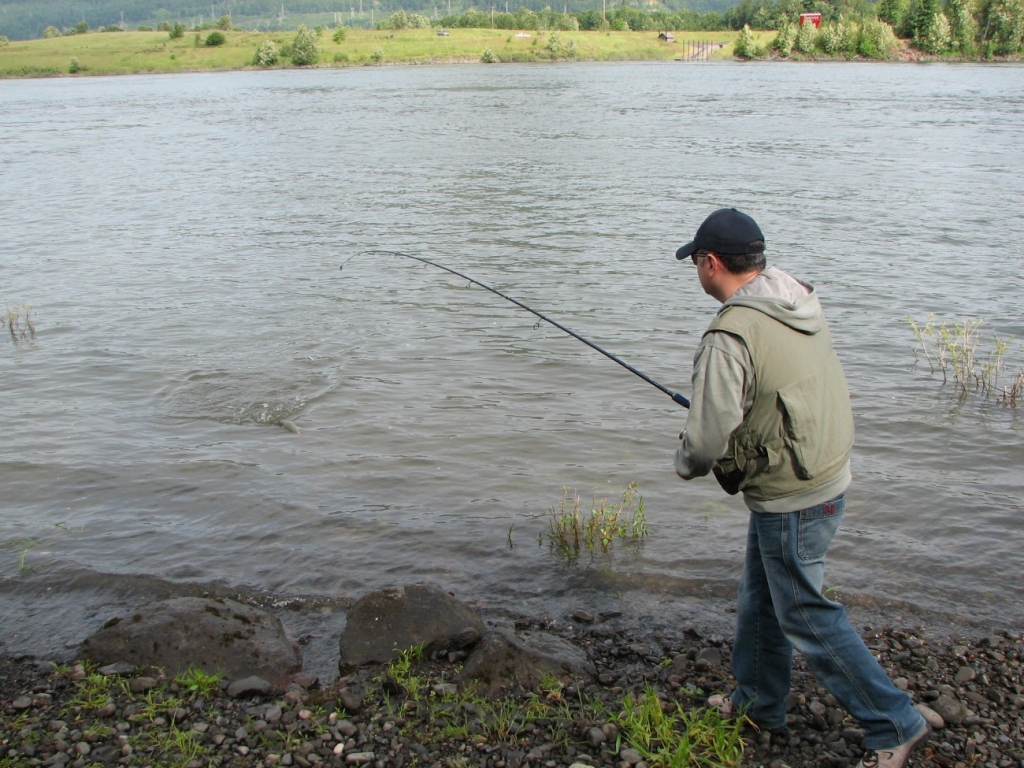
(970, 688)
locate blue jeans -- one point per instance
(781, 607)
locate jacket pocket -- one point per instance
(819, 437)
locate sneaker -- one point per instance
(723, 703)
(896, 757)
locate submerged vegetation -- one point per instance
(571, 531)
(953, 349)
(18, 321)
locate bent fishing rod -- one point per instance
(674, 395)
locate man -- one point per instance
(770, 417)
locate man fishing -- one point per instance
(770, 417)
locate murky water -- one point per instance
(179, 240)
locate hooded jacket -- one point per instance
(770, 399)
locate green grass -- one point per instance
(114, 53)
(668, 736)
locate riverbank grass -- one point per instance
(118, 53)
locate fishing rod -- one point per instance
(674, 395)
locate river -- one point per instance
(179, 239)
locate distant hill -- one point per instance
(26, 19)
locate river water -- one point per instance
(179, 240)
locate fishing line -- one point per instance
(674, 395)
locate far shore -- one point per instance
(124, 53)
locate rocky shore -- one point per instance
(410, 711)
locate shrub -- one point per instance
(163, 26)
(305, 49)
(267, 54)
(177, 31)
(806, 38)
(488, 57)
(51, 32)
(378, 54)
(112, 28)
(341, 58)
(79, 29)
(745, 47)
(784, 40)
(74, 66)
(877, 40)
(398, 20)
(340, 34)
(215, 38)
(620, 24)
(4, 40)
(224, 23)
(937, 35)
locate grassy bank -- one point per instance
(120, 53)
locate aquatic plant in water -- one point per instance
(571, 531)
(952, 349)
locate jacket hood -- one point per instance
(782, 297)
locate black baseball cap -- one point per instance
(728, 232)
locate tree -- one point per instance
(177, 31)
(964, 27)
(215, 38)
(745, 47)
(806, 38)
(784, 40)
(51, 32)
(305, 49)
(937, 36)
(893, 12)
(224, 23)
(1004, 24)
(920, 17)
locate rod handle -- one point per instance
(681, 400)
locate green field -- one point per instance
(117, 53)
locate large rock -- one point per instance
(505, 659)
(385, 622)
(214, 635)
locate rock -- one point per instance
(117, 668)
(506, 658)
(249, 686)
(710, 656)
(596, 737)
(141, 684)
(387, 621)
(964, 675)
(933, 718)
(630, 756)
(583, 617)
(22, 702)
(213, 635)
(351, 699)
(949, 709)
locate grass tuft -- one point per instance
(667, 736)
(571, 531)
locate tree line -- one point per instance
(963, 28)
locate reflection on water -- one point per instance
(179, 238)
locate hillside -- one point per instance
(27, 19)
